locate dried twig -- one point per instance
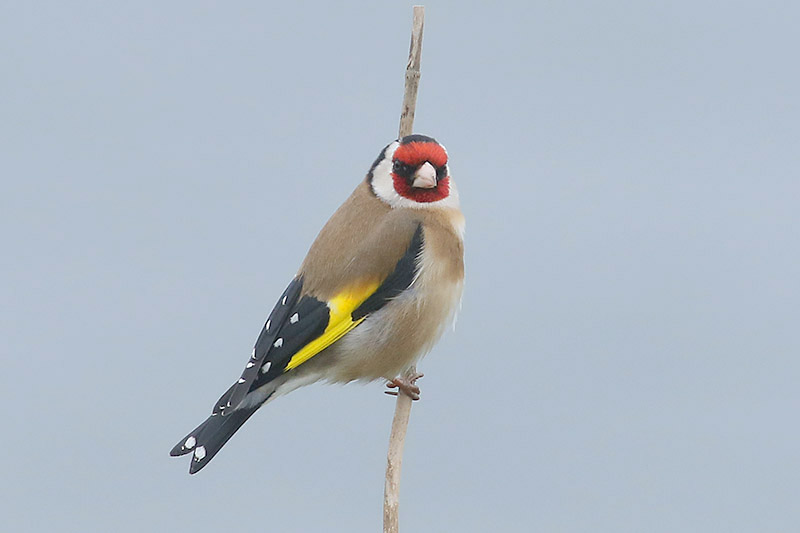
(394, 459)
(412, 73)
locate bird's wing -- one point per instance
(302, 325)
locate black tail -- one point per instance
(210, 436)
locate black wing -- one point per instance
(285, 333)
(269, 333)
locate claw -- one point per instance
(406, 385)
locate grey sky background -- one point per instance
(627, 355)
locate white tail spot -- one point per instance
(251, 364)
(267, 328)
(241, 380)
(265, 368)
(190, 442)
(200, 453)
(279, 342)
(283, 302)
(295, 318)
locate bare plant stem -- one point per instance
(394, 459)
(412, 73)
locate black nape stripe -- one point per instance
(417, 138)
(399, 280)
(377, 162)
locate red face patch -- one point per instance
(404, 189)
(415, 154)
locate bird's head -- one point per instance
(413, 172)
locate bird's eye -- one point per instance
(441, 172)
(400, 168)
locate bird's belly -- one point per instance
(396, 336)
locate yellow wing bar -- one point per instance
(340, 321)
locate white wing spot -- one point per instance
(267, 327)
(190, 442)
(279, 342)
(241, 380)
(251, 364)
(253, 353)
(200, 453)
(295, 318)
(283, 302)
(265, 368)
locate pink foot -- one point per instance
(406, 385)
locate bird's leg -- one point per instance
(407, 385)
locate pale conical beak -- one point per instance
(425, 177)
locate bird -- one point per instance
(376, 290)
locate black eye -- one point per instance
(400, 168)
(441, 172)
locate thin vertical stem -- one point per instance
(394, 459)
(412, 73)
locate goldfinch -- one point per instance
(378, 287)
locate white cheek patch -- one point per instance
(382, 183)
